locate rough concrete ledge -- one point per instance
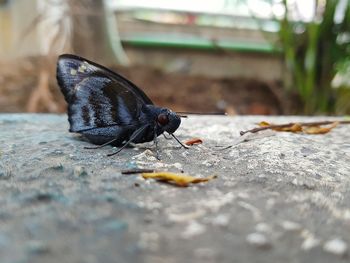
(279, 198)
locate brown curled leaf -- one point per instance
(296, 127)
(268, 126)
(182, 180)
(264, 124)
(293, 127)
(194, 141)
(320, 130)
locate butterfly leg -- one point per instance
(155, 139)
(133, 136)
(179, 141)
(102, 145)
(167, 138)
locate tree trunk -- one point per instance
(90, 36)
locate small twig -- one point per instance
(291, 124)
(137, 171)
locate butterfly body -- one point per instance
(105, 107)
(147, 118)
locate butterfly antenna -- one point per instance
(185, 113)
(179, 141)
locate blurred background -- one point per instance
(234, 56)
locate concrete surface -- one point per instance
(278, 197)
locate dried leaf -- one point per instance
(313, 127)
(296, 127)
(177, 179)
(264, 124)
(320, 130)
(293, 127)
(193, 141)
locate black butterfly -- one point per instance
(107, 108)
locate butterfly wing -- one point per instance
(97, 97)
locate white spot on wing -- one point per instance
(73, 72)
(83, 67)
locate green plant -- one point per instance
(312, 50)
(341, 83)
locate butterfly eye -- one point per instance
(163, 119)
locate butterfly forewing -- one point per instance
(96, 96)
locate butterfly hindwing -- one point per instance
(92, 107)
(97, 97)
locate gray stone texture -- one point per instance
(279, 197)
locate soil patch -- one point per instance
(180, 92)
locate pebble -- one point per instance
(73, 157)
(336, 246)
(57, 167)
(57, 152)
(5, 172)
(37, 247)
(80, 171)
(337, 196)
(140, 178)
(185, 154)
(193, 229)
(308, 184)
(186, 217)
(258, 240)
(309, 243)
(243, 195)
(113, 226)
(263, 227)
(149, 241)
(221, 220)
(290, 226)
(158, 165)
(13, 146)
(210, 163)
(214, 204)
(178, 166)
(147, 154)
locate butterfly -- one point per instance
(108, 109)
